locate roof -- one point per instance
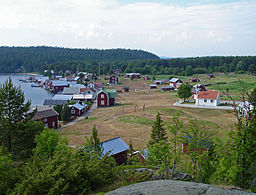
(71, 90)
(213, 95)
(111, 92)
(202, 143)
(62, 97)
(40, 108)
(168, 87)
(82, 96)
(153, 85)
(59, 83)
(86, 89)
(55, 102)
(79, 106)
(76, 78)
(98, 84)
(125, 87)
(45, 114)
(114, 146)
(174, 80)
(157, 81)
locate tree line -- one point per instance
(34, 59)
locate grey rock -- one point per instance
(166, 187)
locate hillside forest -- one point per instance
(38, 59)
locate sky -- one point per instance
(171, 28)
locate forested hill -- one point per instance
(32, 59)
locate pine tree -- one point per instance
(158, 131)
(12, 111)
(65, 113)
(93, 144)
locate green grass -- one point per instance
(163, 111)
(89, 119)
(135, 120)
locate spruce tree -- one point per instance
(158, 131)
(65, 113)
(13, 110)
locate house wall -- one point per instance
(51, 122)
(112, 101)
(113, 80)
(102, 101)
(207, 102)
(121, 157)
(77, 111)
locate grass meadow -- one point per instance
(135, 112)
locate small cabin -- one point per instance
(126, 89)
(145, 78)
(194, 80)
(152, 86)
(208, 98)
(117, 148)
(78, 109)
(196, 145)
(132, 75)
(158, 82)
(168, 88)
(210, 76)
(113, 80)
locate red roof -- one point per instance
(82, 90)
(208, 94)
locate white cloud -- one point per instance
(166, 29)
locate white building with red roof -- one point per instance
(208, 98)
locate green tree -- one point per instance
(252, 97)
(65, 113)
(252, 69)
(58, 109)
(189, 71)
(158, 131)
(199, 141)
(93, 143)
(12, 111)
(184, 92)
(47, 143)
(175, 129)
(8, 172)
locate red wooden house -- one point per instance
(56, 85)
(77, 109)
(113, 79)
(49, 117)
(196, 145)
(117, 148)
(106, 97)
(145, 78)
(126, 89)
(176, 82)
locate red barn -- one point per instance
(198, 145)
(57, 85)
(113, 79)
(106, 97)
(49, 117)
(77, 109)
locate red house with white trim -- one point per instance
(113, 79)
(77, 109)
(106, 97)
(48, 116)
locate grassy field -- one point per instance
(129, 121)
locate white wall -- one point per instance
(201, 102)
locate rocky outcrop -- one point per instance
(166, 187)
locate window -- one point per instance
(53, 124)
(73, 111)
(102, 96)
(45, 119)
(211, 101)
(205, 100)
(102, 102)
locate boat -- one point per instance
(35, 85)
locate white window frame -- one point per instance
(102, 102)
(102, 96)
(73, 111)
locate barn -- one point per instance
(48, 115)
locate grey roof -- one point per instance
(71, 90)
(55, 102)
(174, 80)
(62, 97)
(45, 114)
(152, 85)
(79, 106)
(59, 83)
(114, 146)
